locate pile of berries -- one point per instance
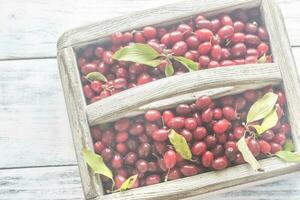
(228, 39)
(140, 145)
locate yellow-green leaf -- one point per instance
(262, 59)
(288, 156)
(128, 183)
(169, 70)
(180, 145)
(269, 122)
(262, 107)
(247, 154)
(138, 53)
(96, 163)
(288, 145)
(96, 76)
(189, 64)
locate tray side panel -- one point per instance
(283, 56)
(181, 10)
(74, 99)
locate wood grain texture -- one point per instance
(170, 13)
(57, 183)
(75, 103)
(34, 128)
(47, 183)
(31, 29)
(282, 55)
(207, 182)
(104, 110)
(190, 97)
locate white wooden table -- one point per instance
(37, 159)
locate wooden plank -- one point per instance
(105, 110)
(164, 14)
(54, 183)
(190, 97)
(207, 182)
(48, 183)
(283, 56)
(34, 128)
(31, 28)
(75, 103)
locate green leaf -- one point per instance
(189, 64)
(96, 163)
(288, 145)
(128, 183)
(96, 76)
(138, 53)
(180, 145)
(248, 156)
(269, 122)
(288, 156)
(169, 70)
(262, 107)
(262, 59)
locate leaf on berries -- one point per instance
(262, 107)
(262, 59)
(93, 76)
(288, 145)
(96, 163)
(128, 184)
(169, 70)
(288, 156)
(247, 154)
(138, 53)
(189, 64)
(180, 145)
(269, 122)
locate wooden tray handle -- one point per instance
(235, 78)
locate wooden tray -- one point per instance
(170, 91)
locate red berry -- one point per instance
(221, 126)
(170, 159)
(254, 147)
(207, 159)
(160, 135)
(142, 166)
(176, 123)
(216, 52)
(187, 135)
(117, 161)
(226, 32)
(152, 179)
(200, 133)
(220, 163)
(179, 48)
(116, 38)
(207, 115)
(218, 113)
(150, 32)
(167, 115)
(192, 42)
(229, 113)
(204, 34)
(279, 138)
(265, 147)
(198, 148)
(190, 124)
(98, 147)
(204, 48)
(189, 170)
(238, 132)
(203, 102)
(176, 36)
(119, 180)
(275, 147)
(152, 115)
(130, 158)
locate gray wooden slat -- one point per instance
(34, 128)
(46, 183)
(31, 28)
(54, 183)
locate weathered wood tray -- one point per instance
(161, 94)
